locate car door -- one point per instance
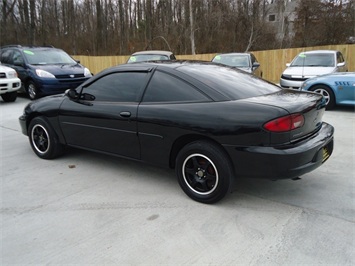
(165, 114)
(341, 64)
(345, 90)
(18, 63)
(104, 118)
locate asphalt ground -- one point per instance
(87, 208)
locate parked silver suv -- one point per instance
(310, 64)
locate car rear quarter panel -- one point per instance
(162, 126)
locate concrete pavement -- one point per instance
(86, 208)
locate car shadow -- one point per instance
(342, 109)
(142, 173)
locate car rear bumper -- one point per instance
(283, 162)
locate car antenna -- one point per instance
(303, 62)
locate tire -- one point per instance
(32, 90)
(43, 139)
(204, 171)
(9, 97)
(327, 94)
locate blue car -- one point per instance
(337, 88)
(44, 70)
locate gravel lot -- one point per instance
(86, 208)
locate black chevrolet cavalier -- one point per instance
(210, 122)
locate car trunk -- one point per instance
(310, 105)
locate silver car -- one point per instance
(310, 64)
(244, 61)
(153, 55)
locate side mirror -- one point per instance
(341, 64)
(87, 97)
(256, 65)
(72, 94)
(288, 64)
(19, 63)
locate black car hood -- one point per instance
(48, 106)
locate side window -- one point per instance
(340, 58)
(167, 88)
(17, 58)
(6, 57)
(253, 59)
(118, 87)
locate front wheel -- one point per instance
(32, 90)
(204, 171)
(43, 139)
(327, 94)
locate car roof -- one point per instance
(26, 46)
(234, 54)
(319, 52)
(165, 63)
(157, 52)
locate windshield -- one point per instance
(231, 82)
(314, 60)
(147, 57)
(48, 57)
(233, 60)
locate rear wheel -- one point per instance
(9, 97)
(32, 90)
(327, 94)
(43, 139)
(204, 171)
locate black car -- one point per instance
(44, 70)
(208, 121)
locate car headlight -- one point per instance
(285, 76)
(87, 72)
(12, 74)
(44, 74)
(304, 84)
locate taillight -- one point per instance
(285, 123)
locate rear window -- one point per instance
(147, 57)
(233, 83)
(233, 60)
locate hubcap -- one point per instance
(32, 91)
(200, 174)
(324, 93)
(40, 139)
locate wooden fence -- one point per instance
(273, 62)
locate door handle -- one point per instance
(125, 114)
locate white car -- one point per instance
(311, 64)
(9, 84)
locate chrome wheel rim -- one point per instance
(325, 94)
(40, 139)
(32, 91)
(200, 174)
